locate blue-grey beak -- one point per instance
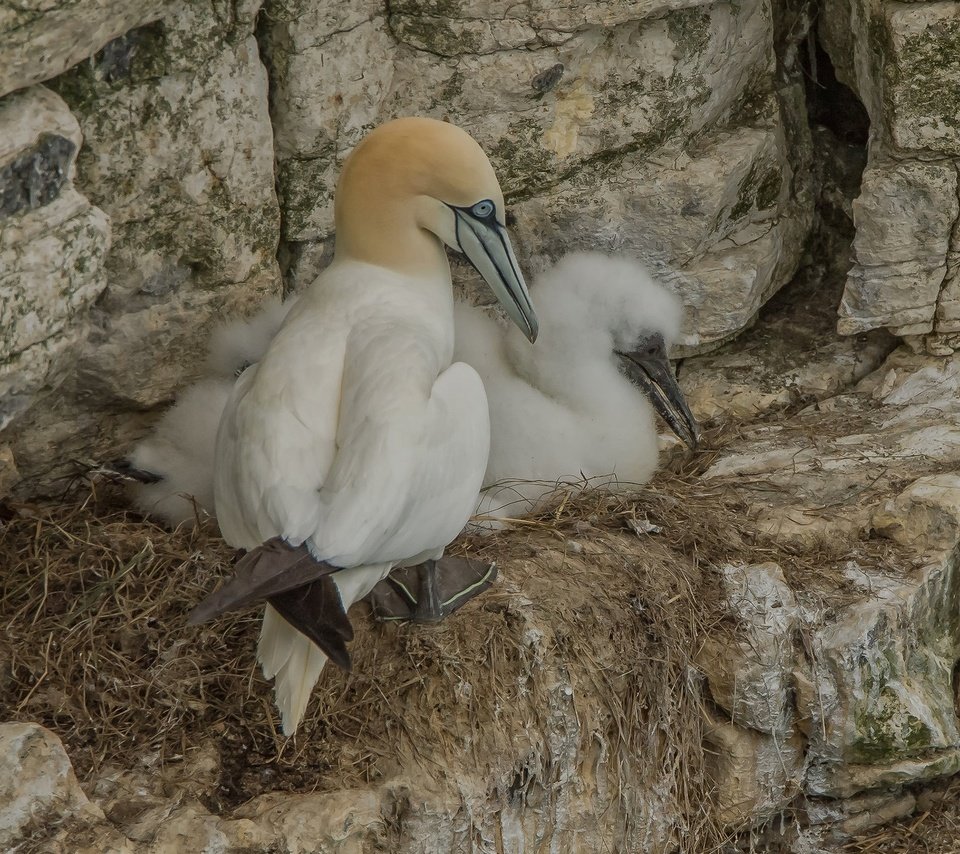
(485, 242)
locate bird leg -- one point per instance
(428, 609)
(432, 591)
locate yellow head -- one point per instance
(413, 183)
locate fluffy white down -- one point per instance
(562, 411)
(239, 343)
(180, 448)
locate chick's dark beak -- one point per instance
(648, 368)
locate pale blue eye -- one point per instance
(481, 210)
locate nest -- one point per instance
(609, 594)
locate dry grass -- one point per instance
(93, 607)
(93, 645)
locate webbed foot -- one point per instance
(431, 591)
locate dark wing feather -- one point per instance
(316, 610)
(269, 570)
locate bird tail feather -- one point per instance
(294, 662)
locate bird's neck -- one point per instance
(386, 235)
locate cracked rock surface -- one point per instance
(903, 63)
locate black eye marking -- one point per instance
(651, 345)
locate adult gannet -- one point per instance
(355, 444)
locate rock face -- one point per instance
(53, 244)
(903, 61)
(759, 753)
(188, 188)
(659, 129)
(37, 783)
(43, 39)
(875, 677)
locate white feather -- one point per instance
(180, 451)
(562, 411)
(293, 661)
(239, 343)
(355, 435)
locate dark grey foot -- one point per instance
(428, 609)
(431, 591)
(126, 470)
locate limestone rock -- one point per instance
(42, 39)
(925, 516)
(903, 63)
(189, 188)
(884, 684)
(52, 247)
(348, 820)
(794, 356)
(837, 821)
(904, 217)
(922, 90)
(755, 775)
(877, 702)
(714, 222)
(828, 480)
(330, 64)
(750, 675)
(173, 827)
(426, 61)
(37, 784)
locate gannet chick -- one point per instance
(236, 345)
(170, 471)
(577, 406)
(355, 445)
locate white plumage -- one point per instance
(563, 410)
(240, 343)
(355, 435)
(178, 453)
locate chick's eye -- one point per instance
(481, 210)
